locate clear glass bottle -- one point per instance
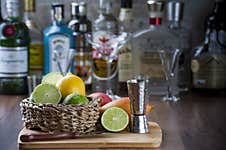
(106, 22)
(14, 46)
(147, 43)
(81, 25)
(126, 24)
(36, 45)
(209, 59)
(58, 40)
(174, 17)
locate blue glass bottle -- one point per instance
(58, 40)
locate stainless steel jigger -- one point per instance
(136, 91)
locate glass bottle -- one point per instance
(36, 45)
(58, 40)
(106, 22)
(14, 45)
(147, 43)
(126, 24)
(81, 25)
(209, 59)
(174, 17)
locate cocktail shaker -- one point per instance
(136, 91)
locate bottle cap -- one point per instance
(29, 5)
(175, 11)
(82, 9)
(74, 8)
(58, 11)
(126, 3)
(156, 8)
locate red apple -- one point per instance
(104, 98)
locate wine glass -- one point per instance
(106, 47)
(169, 61)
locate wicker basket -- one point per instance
(59, 117)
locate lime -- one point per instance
(46, 93)
(115, 119)
(52, 78)
(75, 99)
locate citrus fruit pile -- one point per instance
(70, 89)
(56, 88)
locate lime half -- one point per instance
(52, 78)
(115, 119)
(46, 93)
(75, 99)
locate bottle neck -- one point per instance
(174, 25)
(28, 16)
(12, 7)
(1, 19)
(74, 17)
(125, 14)
(57, 19)
(155, 21)
(105, 7)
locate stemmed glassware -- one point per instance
(169, 60)
(107, 47)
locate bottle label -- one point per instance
(36, 56)
(125, 63)
(209, 71)
(59, 52)
(151, 65)
(13, 60)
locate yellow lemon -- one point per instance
(71, 84)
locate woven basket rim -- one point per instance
(27, 100)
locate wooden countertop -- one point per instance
(196, 122)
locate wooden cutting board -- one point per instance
(125, 139)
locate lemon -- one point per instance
(115, 119)
(71, 84)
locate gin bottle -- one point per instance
(81, 25)
(36, 45)
(126, 24)
(58, 40)
(147, 43)
(14, 45)
(105, 23)
(174, 16)
(209, 59)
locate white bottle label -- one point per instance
(13, 60)
(59, 52)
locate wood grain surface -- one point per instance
(196, 122)
(124, 139)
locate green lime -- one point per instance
(46, 93)
(115, 119)
(52, 78)
(75, 99)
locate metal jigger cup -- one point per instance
(136, 91)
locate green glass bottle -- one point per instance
(14, 45)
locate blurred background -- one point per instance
(195, 12)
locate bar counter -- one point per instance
(196, 122)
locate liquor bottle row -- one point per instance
(51, 49)
(25, 49)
